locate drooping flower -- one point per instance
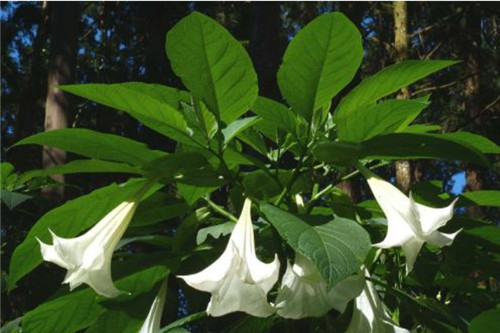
(409, 224)
(153, 320)
(88, 257)
(369, 314)
(238, 280)
(303, 291)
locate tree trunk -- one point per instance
(64, 22)
(265, 47)
(402, 168)
(471, 105)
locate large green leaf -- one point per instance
(488, 233)
(488, 321)
(484, 145)
(79, 166)
(399, 146)
(276, 113)
(416, 146)
(80, 309)
(154, 105)
(189, 167)
(158, 207)
(237, 127)
(68, 220)
(337, 248)
(341, 153)
(95, 145)
(212, 65)
(320, 61)
(386, 117)
(387, 81)
(482, 198)
(191, 193)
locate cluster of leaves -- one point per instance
(230, 140)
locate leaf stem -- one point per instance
(220, 210)
(183, 321)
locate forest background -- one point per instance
(50, 43)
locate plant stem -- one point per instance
(220, 210)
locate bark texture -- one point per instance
(64, 23)
(402, 168)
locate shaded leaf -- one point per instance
(79, 166)
(154, 105)
(95, 145)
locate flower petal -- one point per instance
(153, 320)
(234, 294)
(411, 249)
(369, 314)
(88, 257)
(345, 291)
(238, 280)
(401, 222)
(303, 291)
(211, 277)
(300, 298)
(50, 254)
(431, 218)
(441, 239)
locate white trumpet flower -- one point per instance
(409, 224)
(238, 280)
(303, 291)
(153, 320)
(88, 257)
(369, 314)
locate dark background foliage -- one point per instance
(124, 41)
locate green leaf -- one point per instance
(237, 127)
(263, 183)
(79, 166)
(176, 325)
(154, 105)
(484, 145)
(385, 82)
(386, 117)
(481, 198)
(157, 208)
(95, 145)
(320, 60)
(276, 113)
(214, 231)
(167, 168)
(417, 146)
(343, 153)
(337, 248)
(418, 128)
(6, 169)
(68, 220)
(213, 65)
(488, 233)
(191, 193)
(249, 324)
(13, 199)
(488, 321)
(81, 308)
